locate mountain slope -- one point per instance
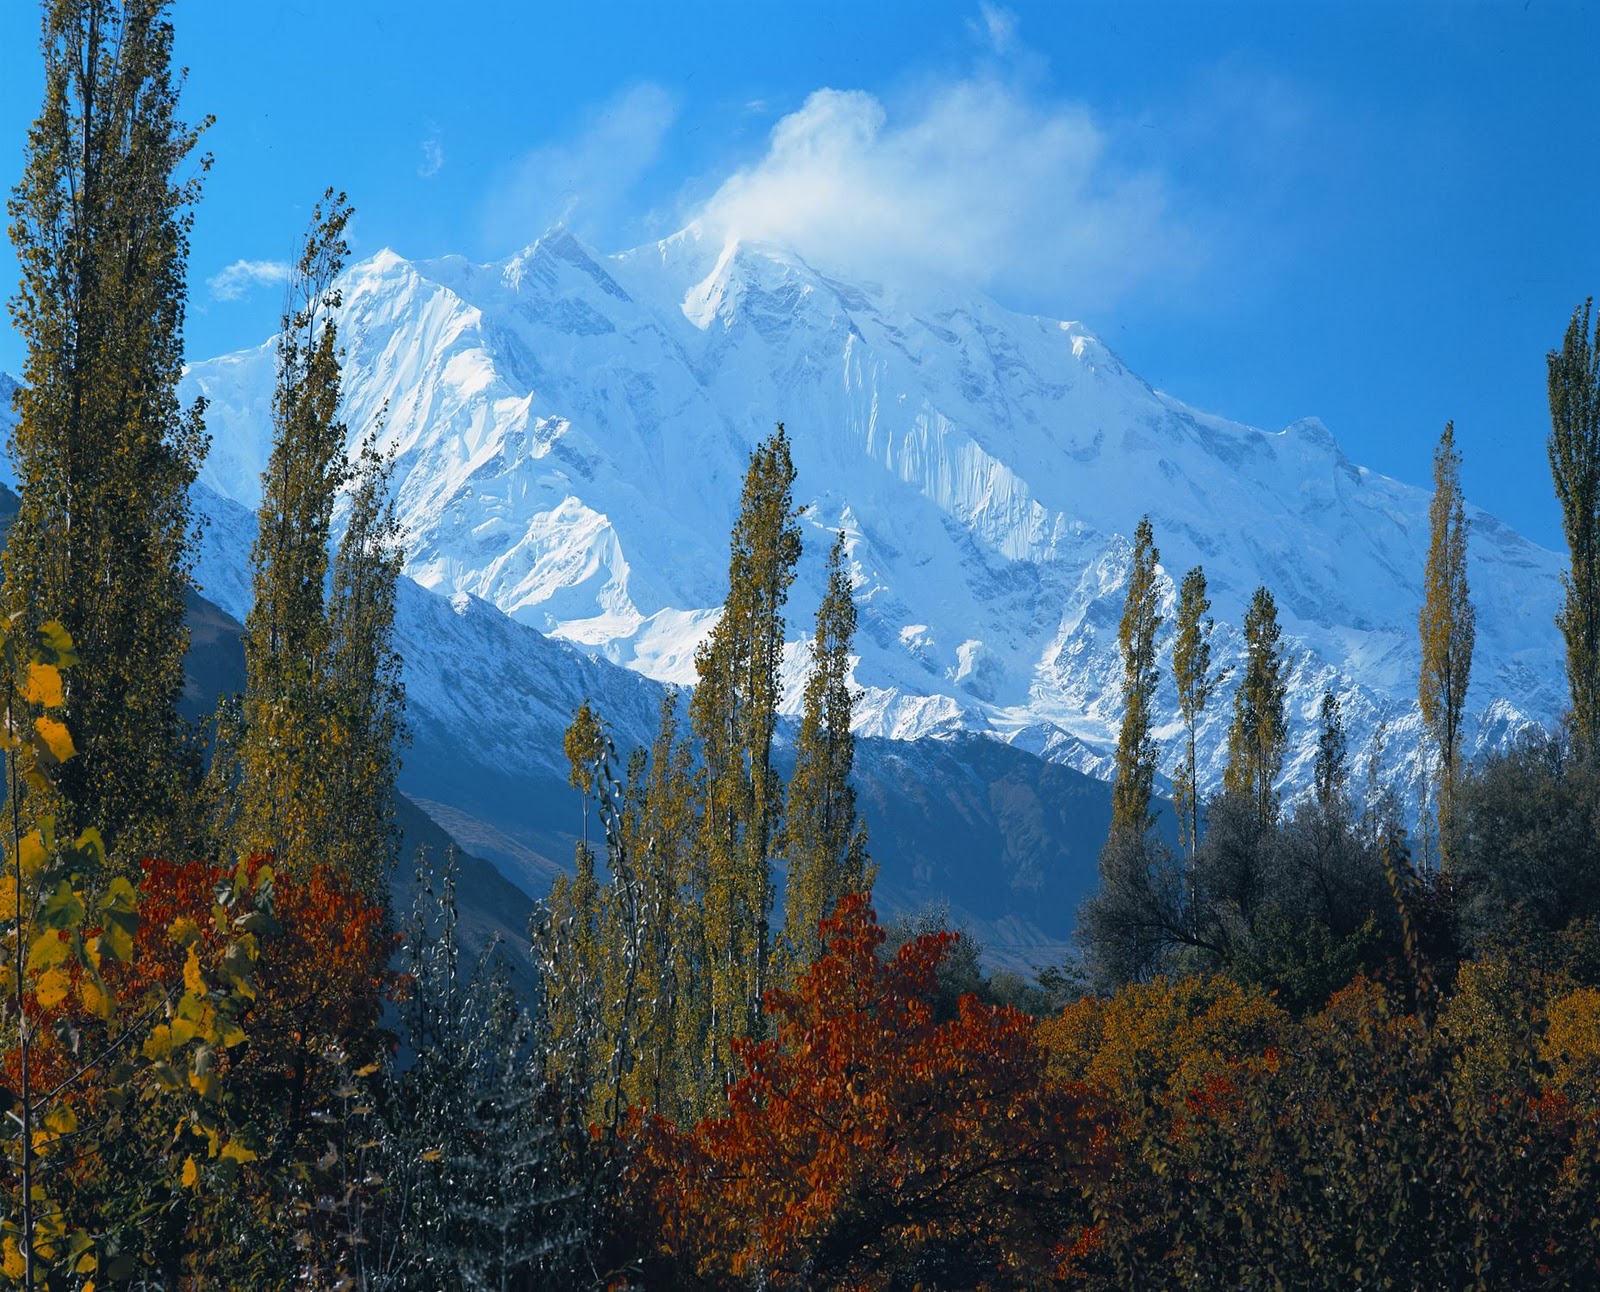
(1007, 841)
(571, 430)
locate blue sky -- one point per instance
(1381, 214)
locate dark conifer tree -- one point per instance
(1259, 736)
(1574, 372)
(104, 453)
(1134, 778)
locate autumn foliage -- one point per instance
(868, 1144)
(321, 979)
(1364, 1145)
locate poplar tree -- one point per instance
(1134, 780)
(826, 844)
(1191, 672)
(1445, 626)
(662, 830)
(1259, 737)
(567, 931)
(366, 696)
(1330, 775)
(733, 714)
(284, 768)
(1574, 373)
(105, 454)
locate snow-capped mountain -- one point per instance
(572, 429)
(8, 419)
(488, 699)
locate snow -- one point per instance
(572, 429)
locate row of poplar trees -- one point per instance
(1258, 734)
(654, 977)
(1446, 624)
(304, 762)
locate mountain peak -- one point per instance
(573, 429)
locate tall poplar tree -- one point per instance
(1191, 671)
(1445, 625)
(284, 770)
(366, 696)
(1259, 736)
(104, 453)
(824, 841)
(663, 833)
(1134, 781)
(1574, 373)
(733, 714)
(1330, 773)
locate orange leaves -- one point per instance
(1166, 1037)
(866, 1140)
(321, 970)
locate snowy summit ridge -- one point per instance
(572, 429)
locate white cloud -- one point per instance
(1000, 27)
(240, 279)
(432, 157)
(585, 182)
(974, 182)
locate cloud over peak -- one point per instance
(974, 182)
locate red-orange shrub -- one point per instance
(867, 1143)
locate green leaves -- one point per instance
(63, 909)
(119, 914)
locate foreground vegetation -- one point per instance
(1293, 1054)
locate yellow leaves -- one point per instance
(55, 645)
(12, 1262)
(54, 739)
(183, 931)
(52, 988)
(1571, 1045)
(193, 979)
(159, 1043)
(56, 1124)
(49, 949)
(233, 1150)
(97, 1001)
(43, 686)
(8, 897)
(191, 1173)
(31, 856)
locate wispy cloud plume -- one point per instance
(240, 279)
(976, 178)
(975, 182)
(432, 157)
(585, 182)
(999, 28)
